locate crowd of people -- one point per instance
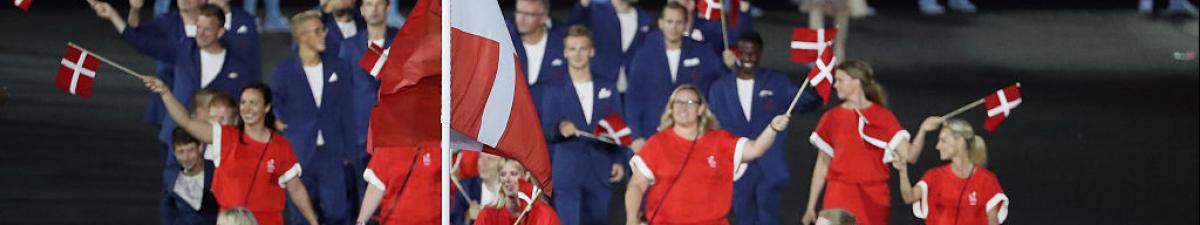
(705, 119)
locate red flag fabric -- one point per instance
(407, 111)
(1000, 104)
(23, 4)
(821, 75)
(489, 101)
(614, 127)
(712, 9)
(77, 71)
(373, 60)
(808, 44)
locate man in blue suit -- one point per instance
(744, 103)
(709, 31)
(343, 23)
(365, 87)
(584, 169)
(200, 62)
(188, 200)
(666, 61)
(540, 46)
(241, 32)
(312, 94)
(620, 29)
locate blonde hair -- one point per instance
(862, 71)
(502, 199)
(236, 216)
(975, 147)
(838, 216)
(299, 19)
(707, 120)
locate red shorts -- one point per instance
(869, 202)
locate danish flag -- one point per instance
(614, 127)
(712, 9)
(821, 75)
(23, 4)
(77, 71)
(808, 44)
(373, 60)
(1000, 104)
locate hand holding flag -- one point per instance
(999, 105)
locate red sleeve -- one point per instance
(286, 159)
(644, 161)
(997, 197)
(921, 206)
(894, 129)
(821, 136)
(379, 169)
(469, 164)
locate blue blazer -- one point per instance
(710, 30)
(335, 37)
(242, 34)
(602, 20)
(772, 92)
(236, 72)
(292, 102)
(176, 211)
(650, 81)
(580, 158)
(552, 58)
(365, 86)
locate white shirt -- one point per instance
(628, 28)
(189, 30)
(487, 196)
(315, 75)
(210, 66)
(584, 91)
(190, 188)
(349, 29)
(535, 52)
(376, 42)
(673, 62)
(745, 91)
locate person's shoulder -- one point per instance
(985, 173)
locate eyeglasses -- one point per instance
(686, 103)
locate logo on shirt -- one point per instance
(972, 199)
(233, 75)
(765, 93)
(426, 159)
(333, 78)
(271, 166)
(712, 161)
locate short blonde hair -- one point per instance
(707, 120)
(236, 216)
(300, 18)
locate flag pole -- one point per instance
(724, 31)
(454, 177)
(106, 61)
(797, 98)
(960, 110)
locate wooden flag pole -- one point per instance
(960, 110)
(797, 98)
(724, 31)
(109, 62)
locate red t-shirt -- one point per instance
(704, 189)
(235, 182)
(856, 145)
(944, 197)
(540, 214)
(420, 201)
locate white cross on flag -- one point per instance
(372, 61)
(1000, 104)
(614, 127)
(821, 75)
(76, 72)
(490, 103)
(23, 4)
(712, 9)
(808, 44)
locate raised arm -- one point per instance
(759, 146)
(135, 12)
(106, 11)
(912, 150)
(202, 130)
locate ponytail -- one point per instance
(862, 71)
(975, 148)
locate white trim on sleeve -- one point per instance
(820, 143)
(213, 153)
(640, 166)
(1002, 200)
(738, 150)
(740, 170)
(921, 207)
(898, 138)
(294, 172)
(369, 175)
